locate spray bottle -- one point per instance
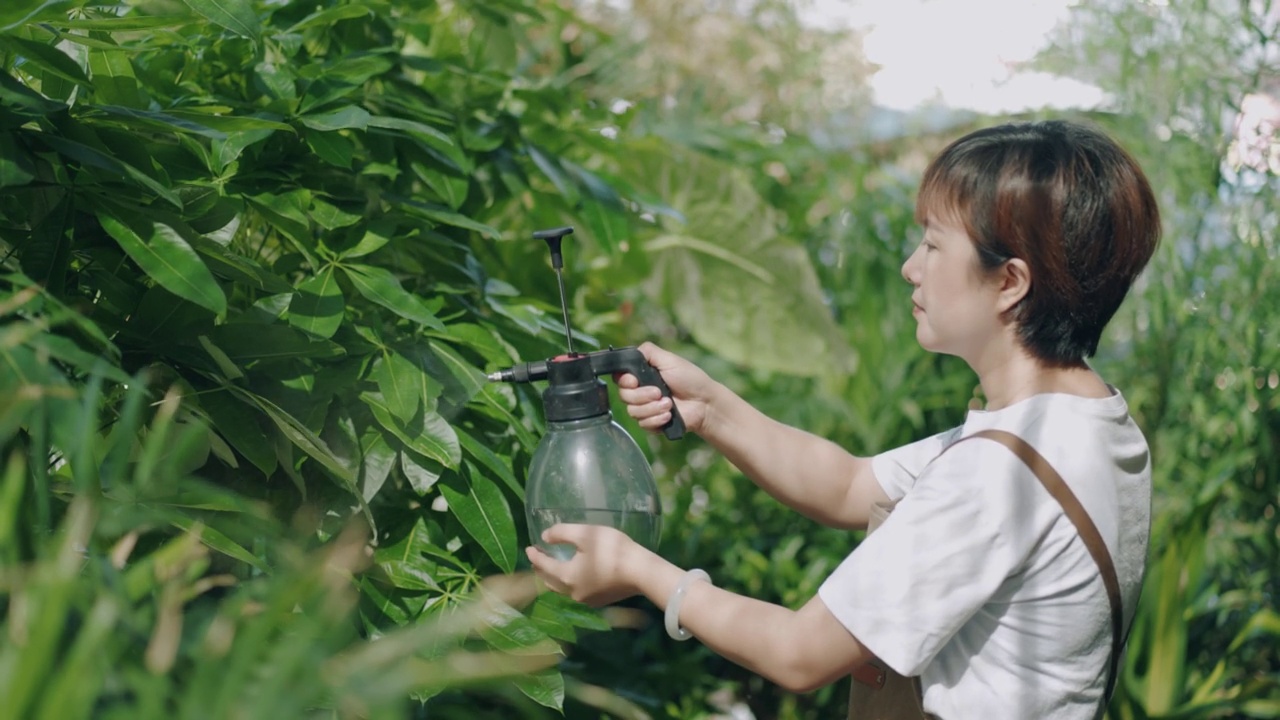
(587, 469)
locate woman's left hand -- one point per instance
(604, 569)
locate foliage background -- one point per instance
(257, 256)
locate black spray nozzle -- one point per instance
(603, 362)
(553, 238)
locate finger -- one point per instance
(546, 568)
(626, 380)
(639, 393)
(655, 422)
(565, 534)
(643, 410)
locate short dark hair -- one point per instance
(1066, 199)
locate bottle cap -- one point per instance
(573, 392)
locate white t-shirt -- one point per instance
(980, 584)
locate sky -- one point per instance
(957, 52)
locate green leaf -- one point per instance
(238, 423)
(378, 457)
(221, 543)
(114, 80)
(484, 513)
(226, 124)
(608, 226)
(89, 156)
(428, 433)
(411, 127)
(19, 12)
(330, 217)
(163, 122)
(550, 166)
(299, 435)
(505, 629)
(244, 342)
(400, 383)
(238, 16)
(545, 687)
(350, 117)
(22, 100)
(331, 147)
(569, 611)
(167, 259)
(450, 187)
(49, 58)
(421, 472)
(406, 563)
(489, 459)
(16, 167)
(287, 212)
(375, 237)
(317, 306)
(66, 350)
(446, 216)
(120, 24)
(240, 268)
(330, 16)
(380, 286)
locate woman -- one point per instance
(976, 582)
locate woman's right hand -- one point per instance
(691, 390)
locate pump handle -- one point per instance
(630, 359)
(604, 362)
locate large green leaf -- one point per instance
(237, 421)
(18, 12)
(402, 384)
(427, 433)
(405, 563)
(350, 117)
(484, 513)
(92, 157)
(445, 216)
(162, 253)
(737, 284)
(381, 287)
(114, 80)
(49, 58)
(238, 16)
(317, 305)
(496, 464)
(299, 435)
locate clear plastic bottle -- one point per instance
(586, 468)
(591, 471)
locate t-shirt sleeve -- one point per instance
(896, 470)
(943, 553)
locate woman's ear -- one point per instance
(1015, 283)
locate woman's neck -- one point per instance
(1018, 376)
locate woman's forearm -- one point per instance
(812, 475)
(798, 650)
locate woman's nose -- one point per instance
(910, 267)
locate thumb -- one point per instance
(656, 356)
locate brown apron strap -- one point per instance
(1079, 517)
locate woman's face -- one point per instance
(954, 302)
